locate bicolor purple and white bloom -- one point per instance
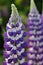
(14, 42)
(35, 36)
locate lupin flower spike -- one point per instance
(14, 42)
(35, 39)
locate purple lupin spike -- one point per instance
(35, 37)
(14, 42)
(10, 52)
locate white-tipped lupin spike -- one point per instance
(33, 8)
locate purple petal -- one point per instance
(20, 57)
(23, 27)
(14, 34)
(10, 33)
(9, 60)
(24, 54)
(19, 48)
(15, 60)
(24, 34)
(12, 25)
(12, 41)
(4, 63)
(21, 39)
(7, 28)
(24, 45)
(5, 54)
(17, 24)
(18, 32)
(13, 51)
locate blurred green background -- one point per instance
(23, 7)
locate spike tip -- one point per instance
(33, 8)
